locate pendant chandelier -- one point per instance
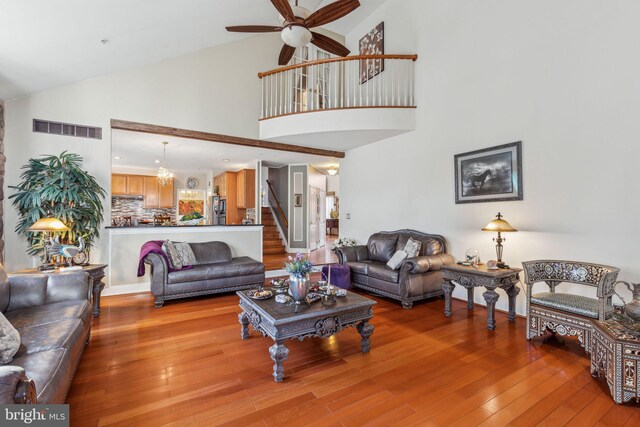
(164, 176)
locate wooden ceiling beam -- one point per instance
(225, 139)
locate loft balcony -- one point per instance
(339, 103)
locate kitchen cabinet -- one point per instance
(156, 195)
(119, 185)
(221, 182)
(151, 194)
(246, 189)
(127, 185)
(135, 184)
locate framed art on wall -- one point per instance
(489, 175)
(372, 44)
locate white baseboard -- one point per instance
(127, 289)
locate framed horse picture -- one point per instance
(489, 175)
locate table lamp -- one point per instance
(47, 226)
(499, 225)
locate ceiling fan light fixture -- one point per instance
(296, 35)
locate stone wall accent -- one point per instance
(3, 160)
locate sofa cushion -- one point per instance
(61, 334)
(429, 245)
(412, 248)
(211, 252)
(382, 272)
(175, 261)
(9, 340)
(382, 246)
(240, 266)
(27, 290)
(396, 260)
(48, 313)
(5, 290)
(49, 370)
(576, 304)
(186, 253)
(360, 267)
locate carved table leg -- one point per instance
(366, 330)
(244, 321)
(491, 296)
(469, 298)
(512, 292)
(447, 288)
(279, 354)
(98, 286)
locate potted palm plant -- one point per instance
(58, 187)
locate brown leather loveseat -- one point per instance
(417, 278)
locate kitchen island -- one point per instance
(125, 244)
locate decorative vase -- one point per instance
(298, 288)
(632, 309)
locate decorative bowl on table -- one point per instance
(279, 286)
(191, 221)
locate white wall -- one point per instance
(333, 184)
(215, 90)
(561, 77)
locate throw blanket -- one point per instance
(151, 247)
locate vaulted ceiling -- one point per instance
(45, 44)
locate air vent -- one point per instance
(43, 126)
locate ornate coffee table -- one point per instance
(280, 322)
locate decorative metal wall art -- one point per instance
(372, 44)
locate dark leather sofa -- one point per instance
(417, 278)
(53, 315)
(216, 272)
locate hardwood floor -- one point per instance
(320, 256)
(185, 364)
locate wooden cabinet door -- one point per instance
(119, 184)
(241, 193)
(231, 195)
(167, 196)
(250, 189)
(223, 185)
(135, 185)
(151, 192)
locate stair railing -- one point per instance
(278, 206)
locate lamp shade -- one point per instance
(48, 224)
(499, 225)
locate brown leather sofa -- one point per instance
(216, 272)
(417, 278)
(53, 315)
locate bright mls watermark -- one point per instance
(34, 415)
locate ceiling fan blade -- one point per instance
(329, 44)
(284, 8)
(331, 12)
(253, 29)
(286, 54)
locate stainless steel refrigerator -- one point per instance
(218, 211)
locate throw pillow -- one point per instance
(9, 340)
(396, 260)
(186, 253)
(412, 248)
(169, 248)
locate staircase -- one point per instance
(271, 241)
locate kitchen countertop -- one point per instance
(183, 226)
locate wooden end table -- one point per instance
(280, 322)
(96, 271)
(615, 352)
(470, 278)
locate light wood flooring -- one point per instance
(185, 364)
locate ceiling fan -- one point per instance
(296, 23)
